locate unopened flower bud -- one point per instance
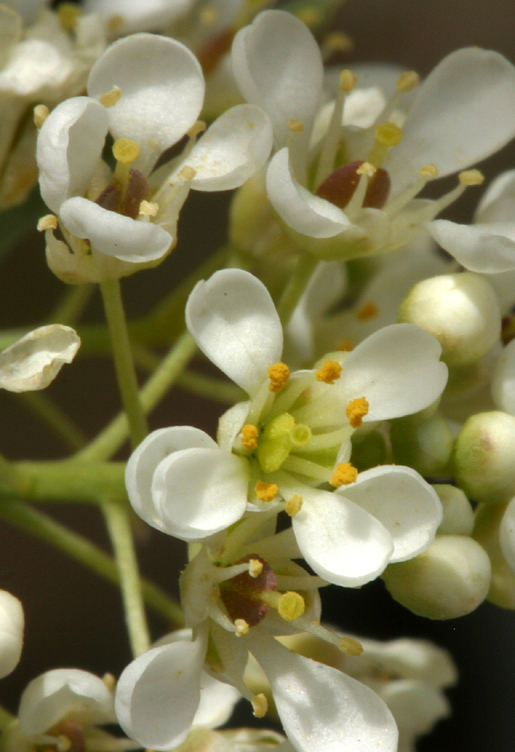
(460, 310)
(458, 517)
(448, 580)
(484, 457)
(425, 445)
(486, 531)
(11, 632)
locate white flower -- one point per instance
(152, 88)
(462, 113)
(129, 16)
(11, 632)
(35, 360)
(292, 436)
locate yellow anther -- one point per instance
(41, 112)
(249, 436)
(330, 372)
(291, 606)
(407, 81)
(345, 344)
(388, 134)
(348, 80)
(125, 150)
(337, 41)
(350, 646)
(197, 128)
(255, 567)
(296, 126)
(278, 373)
(241, 627)
(187, 173)
(367, 311)
(344, 474)
(356, 411)
(471, 177)
(208, 15)
(115, 23)
(294, 505)
(310, 16)
(109, 680)
(110, 97)
(148, 208)
(366, 169)
(428, 171)
(48, 222)
(68, 14)
(259, 705)
(266, 491)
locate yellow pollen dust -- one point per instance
(471, 177)
(291, 606)
(309, 16)
(330, 372)
(350, 646)
(187, 173)
(278, 373)
(344, 474)
(388, 134)
(348, 80)
(367, 311)
(249, 436)
(296, 126)
(294, 505)
(356, 411)
(255, 567)
(266, 491)
(407, 81)
(345, 344)
(428, 171)
(148, 208)
(111, 97)
(242, 627)
(259, 705)
(48, 222)
(337, 41)
(366, 169)
(41, 112)
(125, 150)
(68, 14)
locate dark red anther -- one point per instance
(211, 53)
(110, 197)
(339, 187)
(240, 595)
(71, 730)
(137, 191)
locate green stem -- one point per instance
(124, 364)
(50, 413)
(296, 286)
(113, 436)
(70, 308)
(71, 480)
(11, 479)
(119, 527)
(42, 526)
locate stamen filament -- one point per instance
(327, 440)
(291, 392)
(304, 467)
(332, 137)
(292, 582)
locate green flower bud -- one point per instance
(486, 532)
(426, 446)
(458, 517)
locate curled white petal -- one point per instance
(487, 248)
(11, 632)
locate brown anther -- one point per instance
(344, 474)
(356, 411)
(266, 491)
(48, 222)
(296, 126)
(330, 372)
(350, 646)
(367, 311)
(278, 373)
(41, 112)
(259, 705)
(294, 505)
(111, 97)
(249, 436)
(242, 627)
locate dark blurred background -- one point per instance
(75, 619)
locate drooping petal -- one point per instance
(464, 111)
(487, 248)
(35, 360)
(114, 234)
(162, 90)
(233, 148)
(301, 210)
(233, 320)
(158, 694)
(397, 369)
(322, 709)
(145, 459)
(69, 146)
(503, 380)
(403, 502)
(11, 632)
(198, 492)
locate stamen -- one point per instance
(109, 680)
(332, 137)
(350, 646)
(278, 373)
(348, 80)
(249, 436)
(294, 505)
(266, 491)
(242, 627)
(330, 372)
(344, 474)
(48, 222)
(148, 208)
(187, 173)
(255, 567)
(259, 705)
(407, 81)
(296, 126)
(305, 467)
(471, 177)
(387, 135)
(356, 411)
(427, 172)
(41, 112)
(336, 41)
(196, 129)
(111, 97)
(68, 13)
(347, 645)
(367, 311)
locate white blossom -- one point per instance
(11, 632)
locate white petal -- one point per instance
(145, 459)
(231, 423)
(397, 369)
(403, 502)
(55, 694)
(114, 234)
(321, 708)
(233, 148)
(480, 248)
(233, 320)
(217, 701)
(162, 90)
(137, 16)
(415, 705)
(464, 111)
(198, 492)
(498, 201)
(158, 694)
(35, 360)
(503, 380)
(300, 209)
(69, 146)
(11, 632)
(507, 535)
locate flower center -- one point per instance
(241, 594)
(341, 185)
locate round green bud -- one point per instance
(486, 532)
(368, 450)
(426, 446)
(484, 457)
(458, 517)
(460, 310)
(448, 580)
